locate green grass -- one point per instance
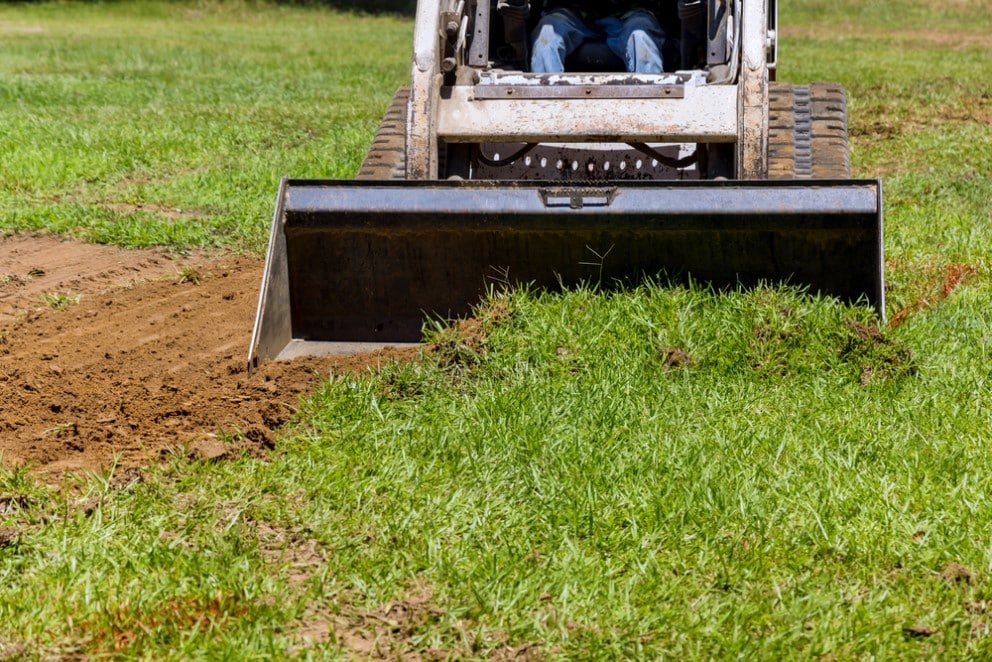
(769, 499)
(59, 300)
(664, 472)
(182, 107)
(925, 128)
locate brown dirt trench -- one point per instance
(147, 356)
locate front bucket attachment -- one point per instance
(354, 265)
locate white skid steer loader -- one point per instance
(485, 174)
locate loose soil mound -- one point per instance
(148, 354)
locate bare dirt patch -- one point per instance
(148, 355)
(937, 283)
(395, 632)
(14, 28)
(162, 211)
(911, 38)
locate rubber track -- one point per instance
(386, 158)
(807, 131)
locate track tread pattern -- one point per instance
(386, 158)
(807, 131)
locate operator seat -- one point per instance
(594, 56)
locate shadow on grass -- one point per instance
(400, 7)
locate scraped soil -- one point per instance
(111, 355)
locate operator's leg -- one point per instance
(637, 37)
(558, 33)
(515, 14)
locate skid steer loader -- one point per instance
(483, 174)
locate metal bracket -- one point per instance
(478, 53)
(645, 91)
(578, 198)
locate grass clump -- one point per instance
(188, 274)
(59, 300)
(876, 356)
(772, 333)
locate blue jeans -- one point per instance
(635, 36)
